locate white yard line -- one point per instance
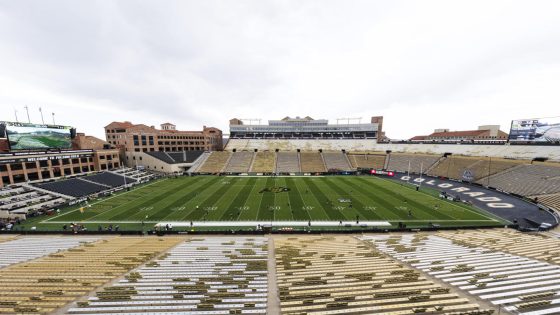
(100, 201)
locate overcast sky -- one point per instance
(421, 64)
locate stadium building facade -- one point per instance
(88, 154)
(306, 128)
(131, 137)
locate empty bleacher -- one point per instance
(176, 157)
(215, 275)
(139, 175)
(240, 162)
(342, 275)
(43, 285)
(527, 179)
(162, 156)
(336, 161)
(552, 200)
(515, 283)
(476, 167)
(376, 161)
(185, 156)
(312, 162)
(416, 162)
(264, 162)
(109, 179)
(523, 152)
(27, 248)
(72, 187)
(215, 163)
(287, 162)
(536, 246)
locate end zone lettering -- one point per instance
(490, 201)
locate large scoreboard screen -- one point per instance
(22, 136)
(545, 130)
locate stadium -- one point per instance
(295, 216)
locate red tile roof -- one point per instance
(465, 133)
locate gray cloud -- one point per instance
(423, 65)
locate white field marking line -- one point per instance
(352, 195)
(280, 176)
(246, 199)
(260, 202)
(185, 205)
(126, 203)
(234, 222)
(200, 193)
(227, 206)
(456, 206)
(218, 184)
(303, 199)
(317, 202)
(216, 204)
(100, 201)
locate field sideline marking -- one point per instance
(126, 192)
(233, 222)
(282, 176)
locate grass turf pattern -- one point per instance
(333, 198)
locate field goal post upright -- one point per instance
(408, 173)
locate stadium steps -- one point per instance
(311, 162)
(240, 162)
(264, 162)
(323, 159)
(226, 163)
(92, 182)
(169, 156)
(480, 167)
(386, 162)
(435, 164)
(299, 160)
(275, 162)
(336, 161)
(376, 161)
(414, 162)
(253, 161)
(198, 162)
(216, 162)
(348, 161)
(287, 162)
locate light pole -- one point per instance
(41, 111)
(27, 110)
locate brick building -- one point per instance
(88, 154)
(486, 133)
(142, 138)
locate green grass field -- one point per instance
(211, 198)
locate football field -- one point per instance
(230, 199)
